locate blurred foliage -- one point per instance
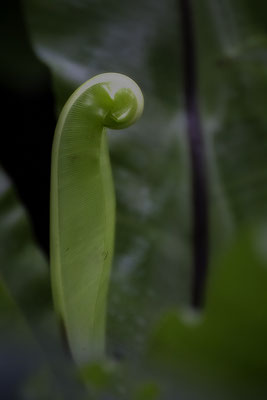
(157, 349)
(225, 345)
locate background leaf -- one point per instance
(151, 273)
(223, 351)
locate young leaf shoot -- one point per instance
(83, 207)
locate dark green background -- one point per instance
(157, 348)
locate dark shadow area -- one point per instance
(28, 119)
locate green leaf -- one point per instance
(225, 345)
(83, 207)
(148, 391)
(149, 160)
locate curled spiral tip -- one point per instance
(128, 102)
(113, 98)
(119, 99)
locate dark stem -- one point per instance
(197, 154)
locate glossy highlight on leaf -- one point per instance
(83, 206)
